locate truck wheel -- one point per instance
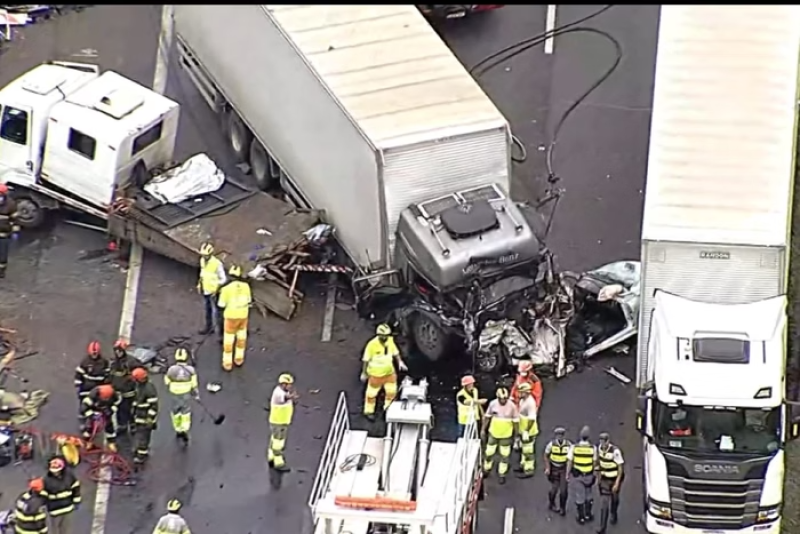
(429, 339)
(259, 163)
(238, 136)
(489, 362)
(30, 214)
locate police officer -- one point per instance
(581, 462)
(93, 371)
(610, 471)
(30, 512)
(145, 415)
(555, 469)
(121, 367)
(469, 403)
(62, 490)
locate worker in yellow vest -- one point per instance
(281, 409)
(212, 277)
(378, 369)
(469, 403)
(235, 299)
(502, 419)
(528, 430)
(581, 462)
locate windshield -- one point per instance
(715, 429)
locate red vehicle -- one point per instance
(454, 11)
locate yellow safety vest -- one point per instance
(281, 414)
(583, 458)
(209, 279)
(501, 427)
(608, 467)
(558, 453)
(531, 426)
(467, 404)
(380, 357)
(235, 298)
(181, 387)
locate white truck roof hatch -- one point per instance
(722, 134)
(761, 323)
(389, 70)
(46, 84)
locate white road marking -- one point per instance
(508, 522)
(134, 269)
(549, 25)
(330, 308)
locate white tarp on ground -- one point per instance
(197, 176)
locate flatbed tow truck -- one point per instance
(400, 483)
(73, 138)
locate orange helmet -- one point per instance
(105, 392)
(524, 366)
(121, 343)
(467, 380)
(56, 464)
(36, 484)
(93, 349)
(139, 374)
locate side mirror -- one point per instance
(793, 420)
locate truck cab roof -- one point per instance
(46, 85)
(718, 354)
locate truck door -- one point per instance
(15, 139)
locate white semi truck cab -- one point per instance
(714, 418)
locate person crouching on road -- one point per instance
(30, 511)
(181, 382)
(235, 298)
(99, 414)
(378, 370)
(555, 469)
(528, 430)
(610, 467)
(94, 370)
(172, 522)
(62, 490)
(581, 462)
(145, 415)
(9, 228)
(502, 419)
(469, 403)
(121, 367)
(281, 410)
(212, 278)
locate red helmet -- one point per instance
(93, 349)
(3, 189)
(105, 392)
(121, 343)
(139, 374)
(524, 366)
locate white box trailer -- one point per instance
(360, 110)
(717, 209)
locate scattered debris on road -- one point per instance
(619, 376)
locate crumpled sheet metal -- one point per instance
(541, 348)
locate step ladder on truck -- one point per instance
(402, 482)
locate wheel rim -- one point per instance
(27, 211)
(487, 362)
(428, 336)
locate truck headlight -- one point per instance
(768, 514)
(661, 510)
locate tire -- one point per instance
(491, 362)
(429, 339)
(239, 137)
(259, 164)
(30, 215)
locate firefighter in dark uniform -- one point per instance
(101, 402)
(62, 490)
(610, 472)
(555, 469)
(30, 512)
(93, 371)
(9, 229)
(145, 415)
(121, 367)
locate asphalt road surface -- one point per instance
(61, 291)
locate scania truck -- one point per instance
(713, 320)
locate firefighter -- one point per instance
(62, 490)
(172, 522)
(9, 229)
(235, 298)
(581, 462)
(555, 469)
(121, 367)
(145, 414)
(212, 277)
(525, 374)
(378, 371)
(30, 512)
(502, 419)
(528, 430)
(93, 371)
(181, 382)
(611, 473)
(469, 403)
(281, 410)
(101, 403)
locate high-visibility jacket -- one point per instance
(380, 356)
(583, 457)
(558, 452)
(235, 297)
(528, 412)
(536, 388)
(468, 405)
(30, 514)
(145, 404)
(281, 407)
(62, 492)
(210, 271)
(503, 418)
(608, 466)
(171, 523)
(181, 379)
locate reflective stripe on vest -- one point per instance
(281, 414)
(183, 387)
(236, 297)
(209, 279)
(381, 357)
(558, 453)
(467, 404)
(608, 467)
(583, 458)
